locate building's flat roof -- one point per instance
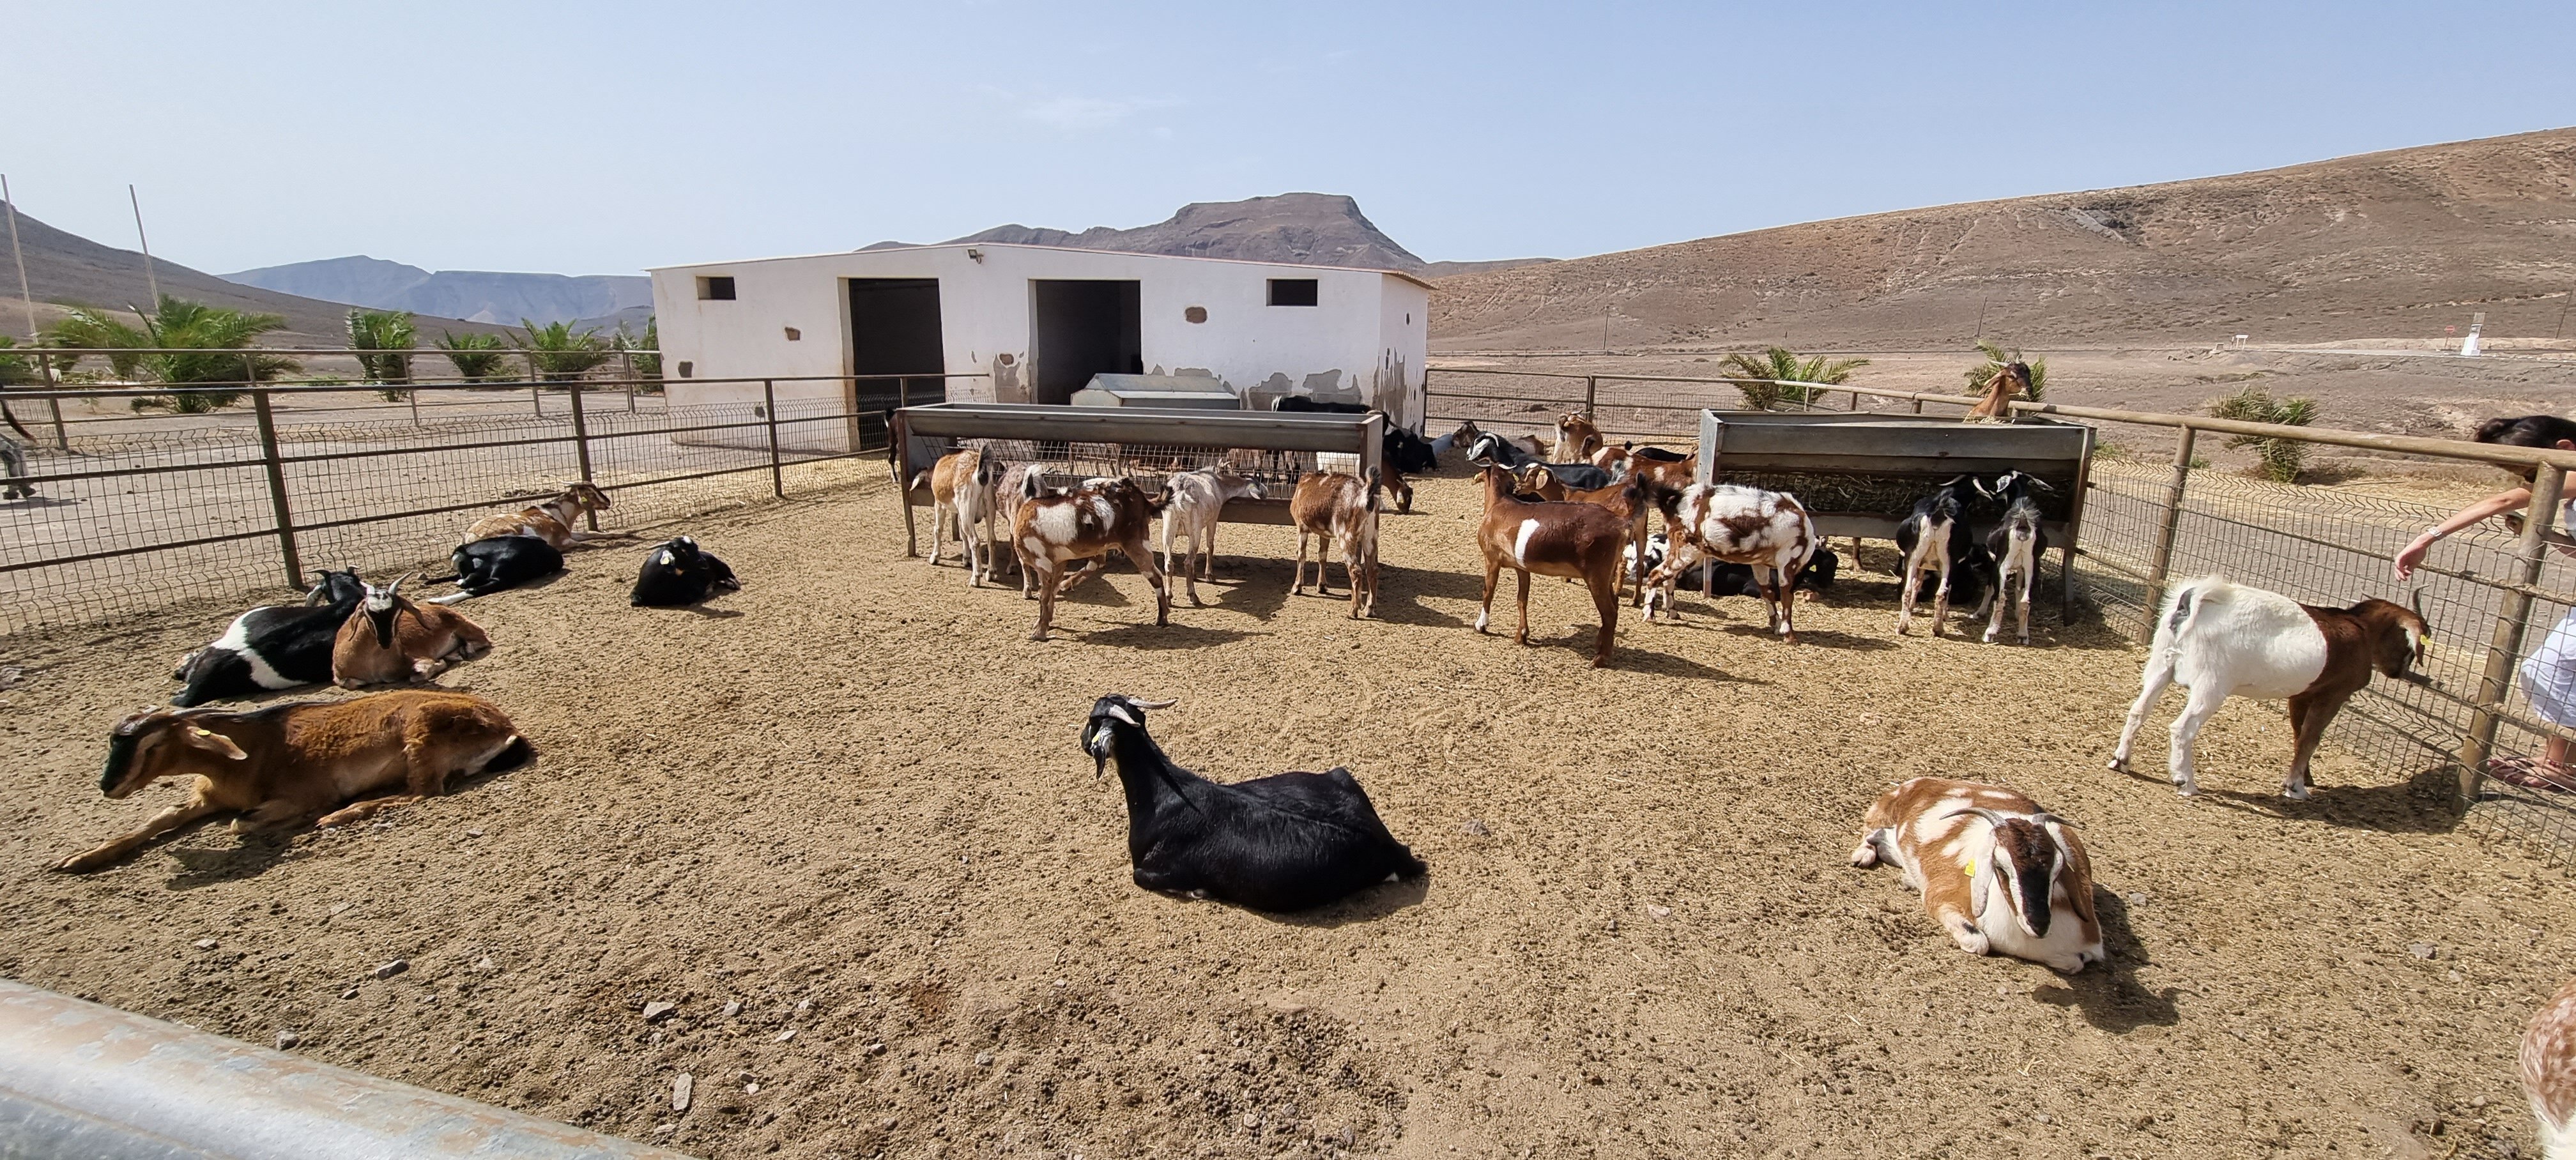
(1056, 249)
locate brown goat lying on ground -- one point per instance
(391, 639)
(550, 521)
(284, 763)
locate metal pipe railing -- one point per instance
(79, 1079)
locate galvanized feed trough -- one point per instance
(1147, 443)
(1859, 474)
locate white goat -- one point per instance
(1196, 499)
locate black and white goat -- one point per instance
(1289, 841)
(676, 572)
(495, 564)
(1494, 450)
(1935, 539)
(2016, 545)
(273, 647)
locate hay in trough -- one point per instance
(1891, 496)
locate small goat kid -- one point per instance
(1289, 841)
(1194, 500)
(284, 763)
(2016, 545)
(392, 639)
(1935, 539)
(962, 492)
(551, 521)
(2000, 874)
(1340, 512)
(1768, 531)
(1052, 531)
(1578, 540)
(2221, 640)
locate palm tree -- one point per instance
(477, 356)
(2281, 459)
(1982, 374)
(1762, 392)
(14, 368)
(384, 330)
(181, 329)
(647, 351)
(562, 354)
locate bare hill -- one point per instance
(476, 295)
(2380, 245)
(65, 270)
(1322, 229)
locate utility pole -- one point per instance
(1981, 316)
(2562, 323)
(149, 278)
(24, 295)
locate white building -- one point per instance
(1036, 322)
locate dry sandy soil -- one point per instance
(850, 799)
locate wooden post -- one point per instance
(278, 508)
(581, 446)
(769, 408)
(626, 367)
(2512, 621)
(895, 439)
(45, 371)
(2162, 559)
(1591, 392)
(536, 400)
(1918, 404)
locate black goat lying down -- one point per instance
(272, 647)
(496, 563)
(1289, 841)
(676, 572)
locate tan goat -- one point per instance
(392, 639)
(2010, 380)
(962, 496)
(550, 521)
(1339, 511)
(281, 764)
(1576, 438)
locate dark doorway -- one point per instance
(894, 330)
(1084, 329)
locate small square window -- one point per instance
(1292, 291)
(716, 288)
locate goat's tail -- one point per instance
(920, 479)
(1368, 487)
(2181, 608)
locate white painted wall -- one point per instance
(1355, 343)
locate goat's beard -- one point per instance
(1095, 741)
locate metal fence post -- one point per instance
(769, 407)
(2512, 620)
(277, 505)
(2171, 522)
(1591, 392)
(581, 445)
(536, 400)
(45, 371)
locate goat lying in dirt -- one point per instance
(550, 521)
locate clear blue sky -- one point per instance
(602, 138)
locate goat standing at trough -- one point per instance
(1290, 841)
(1716, 579)
(1340, 512)
(1194, 501)
(550, 521)
(2000, 874)
(1052, 531)
(2224, 640)
(1935, 539)
(272, 647)
(1576, 438)
(677, 572)
(1578, 540)
(492, 565)
(1500, 452)
(2009, 381)
(391, 639)
(1405, 453)
(2016, 545)
(1768, 531)
(962, 487)
(284, 763)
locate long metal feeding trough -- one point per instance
(1147, 443)
(1860, 474)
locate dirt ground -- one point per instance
(850, 798)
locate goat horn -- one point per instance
(2043, 818)
(1156, 704)
(1992, 818)
(2415, 599)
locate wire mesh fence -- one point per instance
(2150, 523)
(233, 505)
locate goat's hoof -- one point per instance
(2116, 765)
(2296, 793)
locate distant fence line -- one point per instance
(2147, 524)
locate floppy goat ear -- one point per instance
(215, 743)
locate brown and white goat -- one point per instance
(962, 493)
(2221, 640)
(2000, 874)
(1052, 531)
(1576, 438)
(281, 764)
(1626, 499)
(2009, 380)
(1767, 531)
(551, 521)
(392, 639)
(1546, 538)
(2549, 1073)
(1340, 512)
(1193, 502)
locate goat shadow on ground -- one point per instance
(2109, 996)
(2421, 804)
(1370, 905)
(1841, 641)
(544, 581)
(1240, 586)
(1399, 596)
(1159, 637)
(692, 609)
(252, 855)
(43, 501)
